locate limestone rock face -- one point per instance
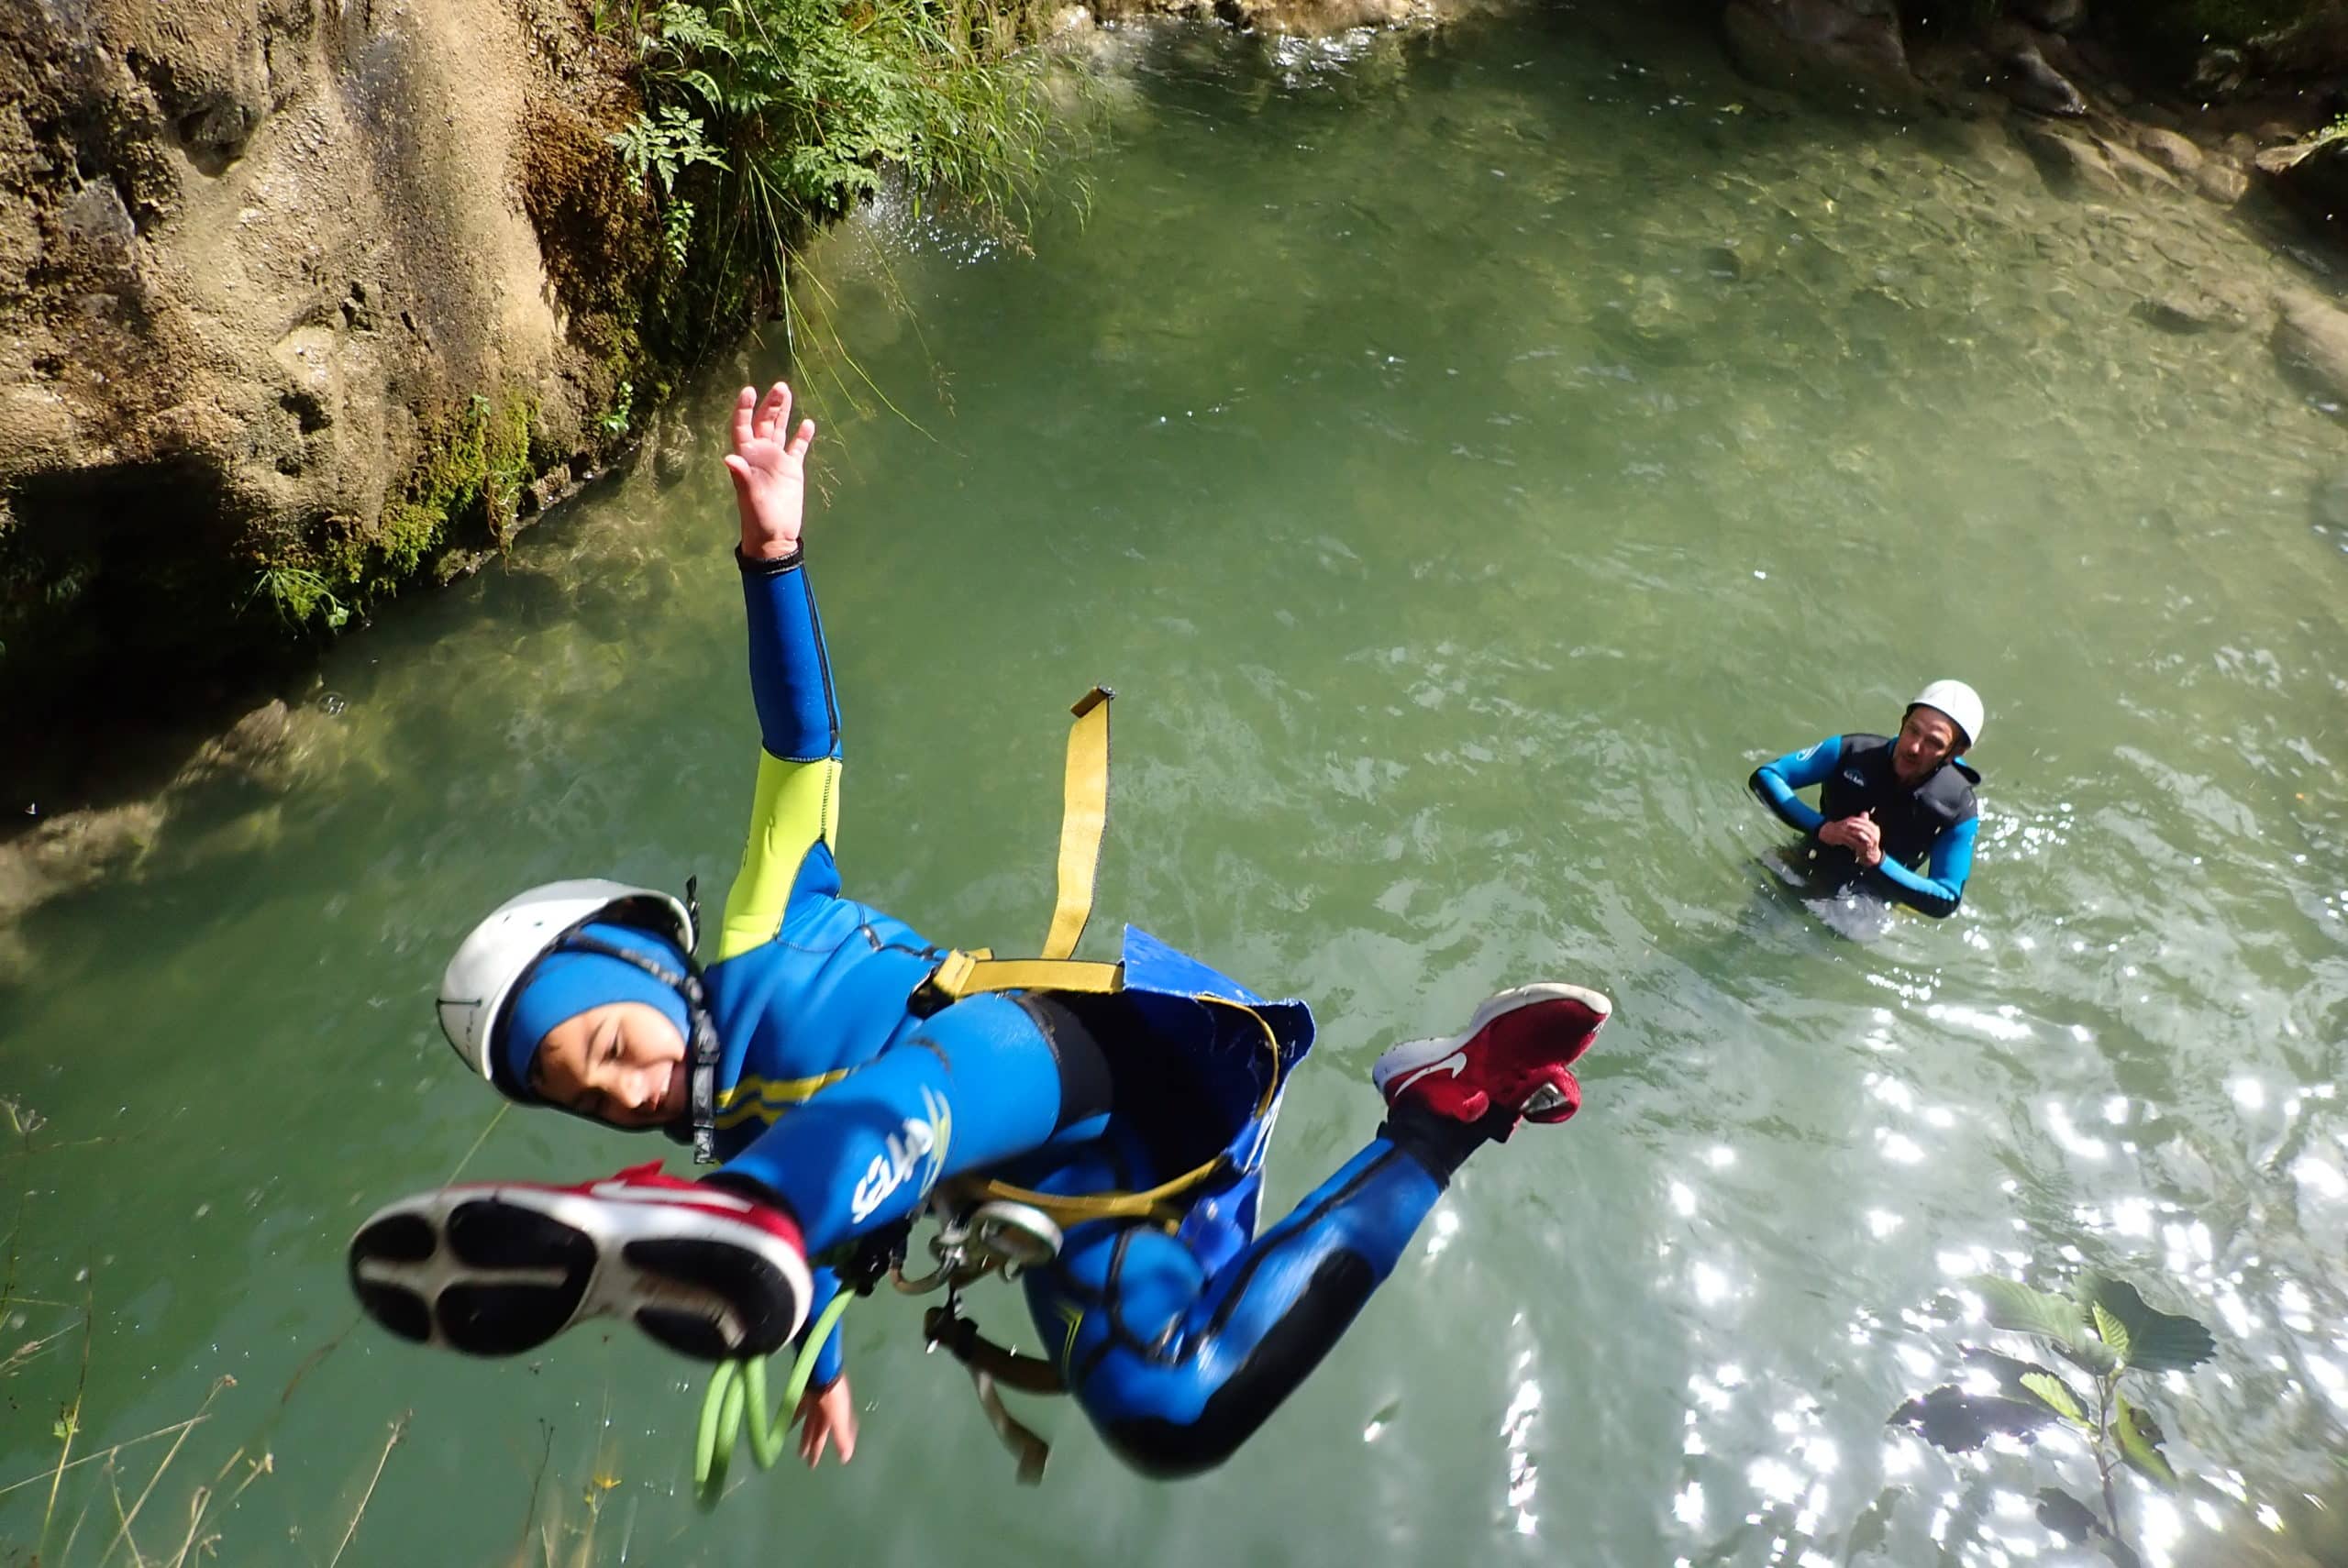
(248, 250)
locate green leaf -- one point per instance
(2057, 1396)
(2067, 1517)
(2156, 1340)
(2111, 1330)
(2139, 1444)
(2091, 1356)
(2015, 1307)
(1958, 1422)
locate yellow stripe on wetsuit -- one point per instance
(764, 1099)
(797, 804)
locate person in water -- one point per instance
(1899, 808)
(811, 1062)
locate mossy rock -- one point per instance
(466, 487)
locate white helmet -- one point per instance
(501, 950)
(1960, 702)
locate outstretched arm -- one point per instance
(1774, 783)
(827, 1412)
(1940, 887)
(790, 677)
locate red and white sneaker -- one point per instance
(498, 1268)
(1513, 1056)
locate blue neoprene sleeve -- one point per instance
(973, 1086)
(1940, 887)
(1775, 782)
(791, 674)
(827, 1284)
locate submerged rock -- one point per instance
(2036, 85)
(676, 444)
(2072, 164)
(2312, 343)
(2171, 151)
(2221, 182)
(267, 750)
(264, 748)
(2193, 308)
(2331, 503)
(2135, 169)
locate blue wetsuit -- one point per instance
(837, 1099)
(1928, 828)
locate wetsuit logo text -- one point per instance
(918, 1138)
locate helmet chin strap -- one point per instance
(702, 1046)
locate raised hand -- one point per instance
(769, 471)
(826, 1414)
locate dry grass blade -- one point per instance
(29, 1349)
(122, 1531)
(199, 1500)
(399, 1430)
(485, 1131)
(102, 1456)
(76, 1533)
(72, 1421)
(266, 1465)
(122, 1534)
(311, 1362)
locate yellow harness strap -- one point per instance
(967, 974)
(1084, 818)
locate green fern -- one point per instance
(811, 101)
(660, 146)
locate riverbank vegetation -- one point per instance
(759, 120)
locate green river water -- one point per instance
(1468, 457)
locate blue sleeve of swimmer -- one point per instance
(1775, 782)
(827, 1284)
(791, 674)
(1938, 890)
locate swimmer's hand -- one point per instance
(1858, 834)
(769, 471)
(827, 1414)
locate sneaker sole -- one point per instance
(497, 1271)
(1413, 1054)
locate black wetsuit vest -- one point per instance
(1909, 819)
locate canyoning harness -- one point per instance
(985, 1226)
(993, 1240)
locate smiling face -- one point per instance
(622, 1064)
(1927, 739)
